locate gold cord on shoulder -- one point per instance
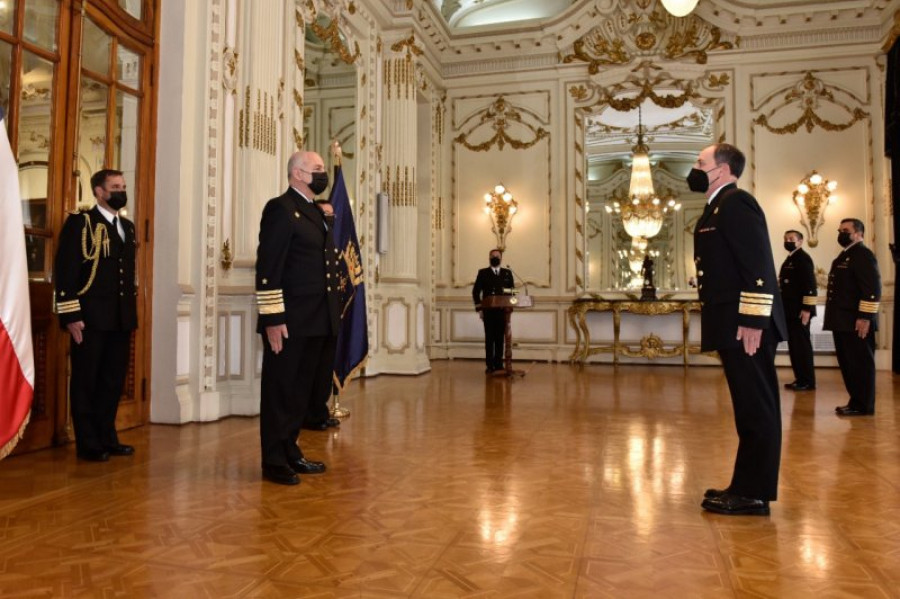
(99, 241)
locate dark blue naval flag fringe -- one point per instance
(353, 336)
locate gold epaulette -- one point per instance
(809, 300)
(756, 304)
(867, 307)
(270, 301)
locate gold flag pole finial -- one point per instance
(336, 152)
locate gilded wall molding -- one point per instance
(500, 116)
(809, 94)
(229, 69)
(408, 44)
(646, 30)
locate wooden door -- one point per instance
(75, 80)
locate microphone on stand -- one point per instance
(524, 283)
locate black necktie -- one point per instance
(115, 226)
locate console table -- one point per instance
(651, 346)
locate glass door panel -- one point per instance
(41, 17)
(92, 131)
(95, 48)
(125, 144)
(7, 16)
(5, 77)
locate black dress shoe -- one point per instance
(848, 411)
(93, 455)
(282, 475)
(120, 449)
(735, 505)
(790, 385)
(710, 493)
(316, 426)
(332, 422)
(303, 466)
(803, 387)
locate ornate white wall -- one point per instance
(437, 120)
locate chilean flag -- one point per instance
(16, 358)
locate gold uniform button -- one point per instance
(699, 273)
(120, 293)
(264, 281)
(297, 214)
(329, 289)
(62, 294)
(328, 276)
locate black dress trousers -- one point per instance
(494, 335)
(801, 351)
(757, 416)
(856, 358)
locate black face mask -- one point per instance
(495, 261)
(117, 200)
(790, 246)
(844, 239)
(698, 180)
(319, 182)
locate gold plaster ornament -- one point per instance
(500, 116)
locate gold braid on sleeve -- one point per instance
(99, 240)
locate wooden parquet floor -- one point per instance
(574, 483)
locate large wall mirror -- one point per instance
(330, 95)
(673, 136)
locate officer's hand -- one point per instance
(75, 329)
(751, 339)
(275, 335)
(804, 317)
(862, 327)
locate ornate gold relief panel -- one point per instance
(502, 139)
(641, 29)
(821, 120)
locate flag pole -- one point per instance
(337, 411)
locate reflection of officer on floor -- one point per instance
(851, 314)
(797, 280)
(493, 280)
(96, 300)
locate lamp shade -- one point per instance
(679, 8)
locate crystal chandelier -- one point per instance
(679, 8)
(643, 213)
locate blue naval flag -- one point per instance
(353, 336)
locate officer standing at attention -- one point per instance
(851, 314)
(797, 280)
(742, 318)
(493, 280)
(96, 300)
(299, 311)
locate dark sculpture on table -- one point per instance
(648, 291)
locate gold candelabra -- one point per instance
(501, 206)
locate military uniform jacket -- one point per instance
(854, 289)
(94, 273)
(297, 276)
(797, 279)
(487, 283)
(735, 272)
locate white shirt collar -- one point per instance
(107, 214)
(302, 195)
(715, 193)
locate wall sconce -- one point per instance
(811, 198)
(501, 207)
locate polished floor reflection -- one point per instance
(573, 482)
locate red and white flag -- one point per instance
(16, 358)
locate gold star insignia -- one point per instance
(297, 214)
(759, 282)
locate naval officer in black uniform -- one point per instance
(96, 300)
(851, 314)
(797, 281)
(742, 318)
(298, 297)
(493, 280)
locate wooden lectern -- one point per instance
(507, 303)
